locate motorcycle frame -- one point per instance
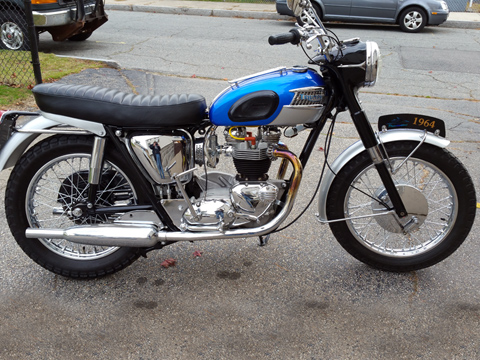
(342, 96)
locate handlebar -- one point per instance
(292, 37)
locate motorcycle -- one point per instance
(117, 175)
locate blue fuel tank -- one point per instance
(279, 97)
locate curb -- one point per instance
(110, 63)
(247, 14)
(199, 12)
(461, 24)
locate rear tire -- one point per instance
(46, 184)
(435, 188)
(413, 20)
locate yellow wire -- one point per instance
(235, 137)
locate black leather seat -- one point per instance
(113, 107)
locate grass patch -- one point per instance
(11, 96)
(16, 73)
(474, 8)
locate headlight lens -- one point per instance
(372, 63)
(444, 6)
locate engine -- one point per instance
(250, 153)
(245, 199)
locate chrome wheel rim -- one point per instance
(53, 197)
(413, 20)
(11, 35)
(428, 181)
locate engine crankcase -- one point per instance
(253, 200)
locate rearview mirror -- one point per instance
(296, 6)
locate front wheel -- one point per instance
(437, 192)
(48, 188)
(13, 31)
(413, 20)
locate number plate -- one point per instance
(412, 121)
(6, 126)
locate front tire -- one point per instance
(436, 190)
(46, 186)
(413, 20)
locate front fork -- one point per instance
(367, 135)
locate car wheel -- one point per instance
(302, 20)
(13, 31)
(413, 19)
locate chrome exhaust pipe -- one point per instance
(147, 235)
(101, 235)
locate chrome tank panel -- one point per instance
(175, 156)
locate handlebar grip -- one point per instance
(291, 37)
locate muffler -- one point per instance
(101, 235)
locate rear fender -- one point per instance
(355, 149)
(19, 141)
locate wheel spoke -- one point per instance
(62, 184)
(383, 234)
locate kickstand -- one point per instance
(263, 240)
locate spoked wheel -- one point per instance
(438, 194)
(48, 188)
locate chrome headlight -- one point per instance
(372, 63)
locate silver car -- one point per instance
(412, 16)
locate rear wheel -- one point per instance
(48, 189)
(413, 20)
(438, 194)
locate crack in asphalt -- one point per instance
(131, 48)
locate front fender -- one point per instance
(355, 149)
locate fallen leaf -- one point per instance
(168, 262)
(320, 148)
(193, 76)
(197, 253)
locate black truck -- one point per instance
(74, 20)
